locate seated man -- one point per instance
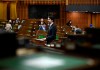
(8, 27)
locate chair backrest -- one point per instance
(57, 37)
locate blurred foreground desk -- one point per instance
(47, 60)
(54, 44)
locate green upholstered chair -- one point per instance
(57, 37)
(41, 36)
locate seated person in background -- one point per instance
(69, 23)
(42, 26)
(8, 27)
(2, 30)
(22, 21)
(10, 21)
(73, 28)
(77, 30)
(17, 20)
(91, 25)
(51, 35)
(19, 26)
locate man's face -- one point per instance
(17, 18)
(41, 19)
(49, 20)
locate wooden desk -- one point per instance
(38, 42)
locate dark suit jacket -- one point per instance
(51, 35)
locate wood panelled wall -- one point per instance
(79, 19)
(22, 8)
(82, 19)
(84, 2)
(97, 20)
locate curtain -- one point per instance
(3, 11)
(66, 2)
(13, 11)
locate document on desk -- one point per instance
(41, 39)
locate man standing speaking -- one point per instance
(51, 35)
